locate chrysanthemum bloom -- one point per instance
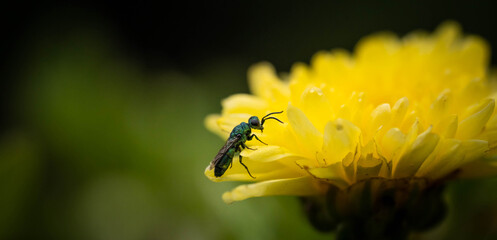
(382, 128)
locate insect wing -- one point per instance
(229, 144)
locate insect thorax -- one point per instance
(242, 128)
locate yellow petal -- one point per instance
(279, 134)
(470, 150)
(244, 103)
(349, 163)
(316, 107)
(474, 149)
(222, 125)
(440, 107)
(491, 137)
(380, 116)
(447, 33)
(392, 143)
(476, 49)
(410, 119)
(416, 154)
(212, 124)
(303, 186)
(340, 138)
(368, 167)
(474, 124)
(373, 49)
(266, 153)
(261, 171)
(334, 65)
(355, 109)
(399, 110)
(310, 138)
(333, 174)
(473, 90)
(264, 83)
(492, 122)
(409, 139)
(448, 151)
(447, 127)
(300, 79)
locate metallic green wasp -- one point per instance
(236, 143)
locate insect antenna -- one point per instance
(267, 117)
(272, 118)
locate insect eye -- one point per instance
(254, 122)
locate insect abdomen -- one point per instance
(225, 162)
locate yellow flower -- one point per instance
(419, 107)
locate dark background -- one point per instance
(187, 36)
(102, 108)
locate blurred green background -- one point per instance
(102, 133)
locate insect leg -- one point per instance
(245, 146)
(240, 158)
(253, 135)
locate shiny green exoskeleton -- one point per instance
(236, 143)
